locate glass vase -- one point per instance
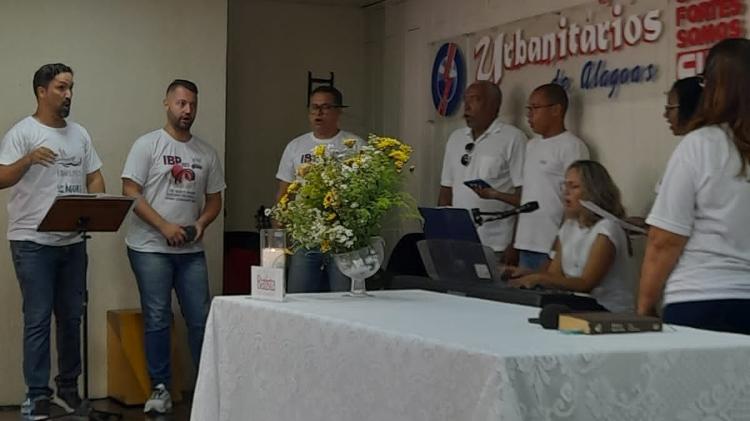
(360, 264)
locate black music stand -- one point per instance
(84, 214)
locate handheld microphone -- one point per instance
(190, 233)
(525, 208)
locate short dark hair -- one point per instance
(47, 73)
(338, 99)
(688, 91)
(190, 86)
(555, 94)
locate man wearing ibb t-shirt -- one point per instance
(312, 270)
(177, 180)
(43, 156)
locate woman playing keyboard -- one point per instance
(591, 253)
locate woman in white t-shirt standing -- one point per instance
(591, 252)
(698, 250)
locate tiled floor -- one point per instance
(181, 412)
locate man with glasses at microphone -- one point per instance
(312, 270)
(548, 156)
(487, 150)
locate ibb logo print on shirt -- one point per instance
(181, 174)
(171, 160)
(306, 158)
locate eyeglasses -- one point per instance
(671, 107)
(466, 158)
(532, 108)
(324, 108)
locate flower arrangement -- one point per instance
(339, 199)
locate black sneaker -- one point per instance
(35, 409)
(69, 399)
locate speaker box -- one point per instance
(127, 377)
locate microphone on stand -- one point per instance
(525, 208)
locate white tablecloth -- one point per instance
(416, 355)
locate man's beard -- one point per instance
(178, 123)
(64, 110)
(184, 125)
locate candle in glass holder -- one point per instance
(273, 248)
(273, 257)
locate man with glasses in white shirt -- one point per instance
(488, 150)
(312, 270)
(548, 156)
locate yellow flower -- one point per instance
(349, 143)
(399, 156)
(331, 216)
(303, 169)
(325, 246)
(386, 142)
(284, 200)
(293, 187)
(399, 164)
(319, 150)
(329, 199)
(405, 149)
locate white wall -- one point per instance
(271, 47)
(124, 53)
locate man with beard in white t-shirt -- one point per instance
(41, 157)
(312, 270)
(177, 180)
(548, 156)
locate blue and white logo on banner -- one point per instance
(448, 79)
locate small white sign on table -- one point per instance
(267, 283)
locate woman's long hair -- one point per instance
(726, 94)
(688, 91)
(599, 188)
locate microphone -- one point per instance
(525, 208)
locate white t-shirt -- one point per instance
(703, 197)
(175, 177)
(497, 158)
(32, 196)
(616, 290)
(299, 151)
(543, 177)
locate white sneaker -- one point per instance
(159, 402)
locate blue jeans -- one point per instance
(532, 260)
(313, 271)
(157, 274)
(720, 315)
(51, 278)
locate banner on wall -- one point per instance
(601, 50)
(699, 25)
(598, 48)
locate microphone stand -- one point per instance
(496, 216)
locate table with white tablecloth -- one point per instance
(417, 355)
